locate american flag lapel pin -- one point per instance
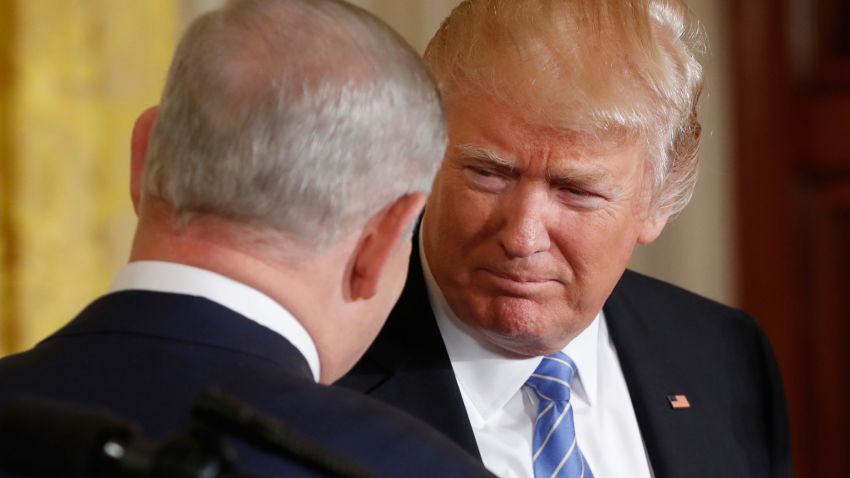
(678, 401)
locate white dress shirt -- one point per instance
(502, 409)
(245, 300)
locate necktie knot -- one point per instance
(552, 378)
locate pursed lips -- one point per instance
(517, 282)
(521, 277)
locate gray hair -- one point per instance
(303, 116)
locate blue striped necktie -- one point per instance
(555, 452)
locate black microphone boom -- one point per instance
(39, 437)
(43, 438)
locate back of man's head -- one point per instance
(301, 116)
(293, 149)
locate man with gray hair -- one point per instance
(573, 138)
(275, 189)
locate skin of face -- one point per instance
(529, 228)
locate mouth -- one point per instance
(524, 278)
(515, 283)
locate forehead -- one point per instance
(485, 124)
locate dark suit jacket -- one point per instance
(669, 341)
(144, 356)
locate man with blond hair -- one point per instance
(293, 149)
(573, 138)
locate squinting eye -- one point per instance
(578, 192)
(580, 198)
(485, 179)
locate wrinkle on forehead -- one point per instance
(558, 146)
(540, 129)
(556, 162)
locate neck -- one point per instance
(306, 284)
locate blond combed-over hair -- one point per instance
(622, 69)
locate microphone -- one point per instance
(44, 438)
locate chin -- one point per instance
(525, 345)
(525, 337)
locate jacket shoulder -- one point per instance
(664, 306)
(643, 290)
(718, 354)
(363, 430)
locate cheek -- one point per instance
(594, 244)
(461, 218)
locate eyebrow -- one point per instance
(567, 176)
(477, 152)
(559, 177)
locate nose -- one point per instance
(524, 231)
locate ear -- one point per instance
(138, 150)
(653, 225)
(381, 238)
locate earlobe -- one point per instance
(138, 150)
(653, 226)
(381, 238)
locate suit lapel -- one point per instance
(679, 441)
(408, 365)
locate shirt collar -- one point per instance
(176, 278)
(584, 351)
(487, 376)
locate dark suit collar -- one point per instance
(415, 371)
(184, 318)
(646, 334)
(411, 323)
(644, 379)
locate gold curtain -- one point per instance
(74, 74)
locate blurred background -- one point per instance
(768, 229)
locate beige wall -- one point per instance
(696, 250)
